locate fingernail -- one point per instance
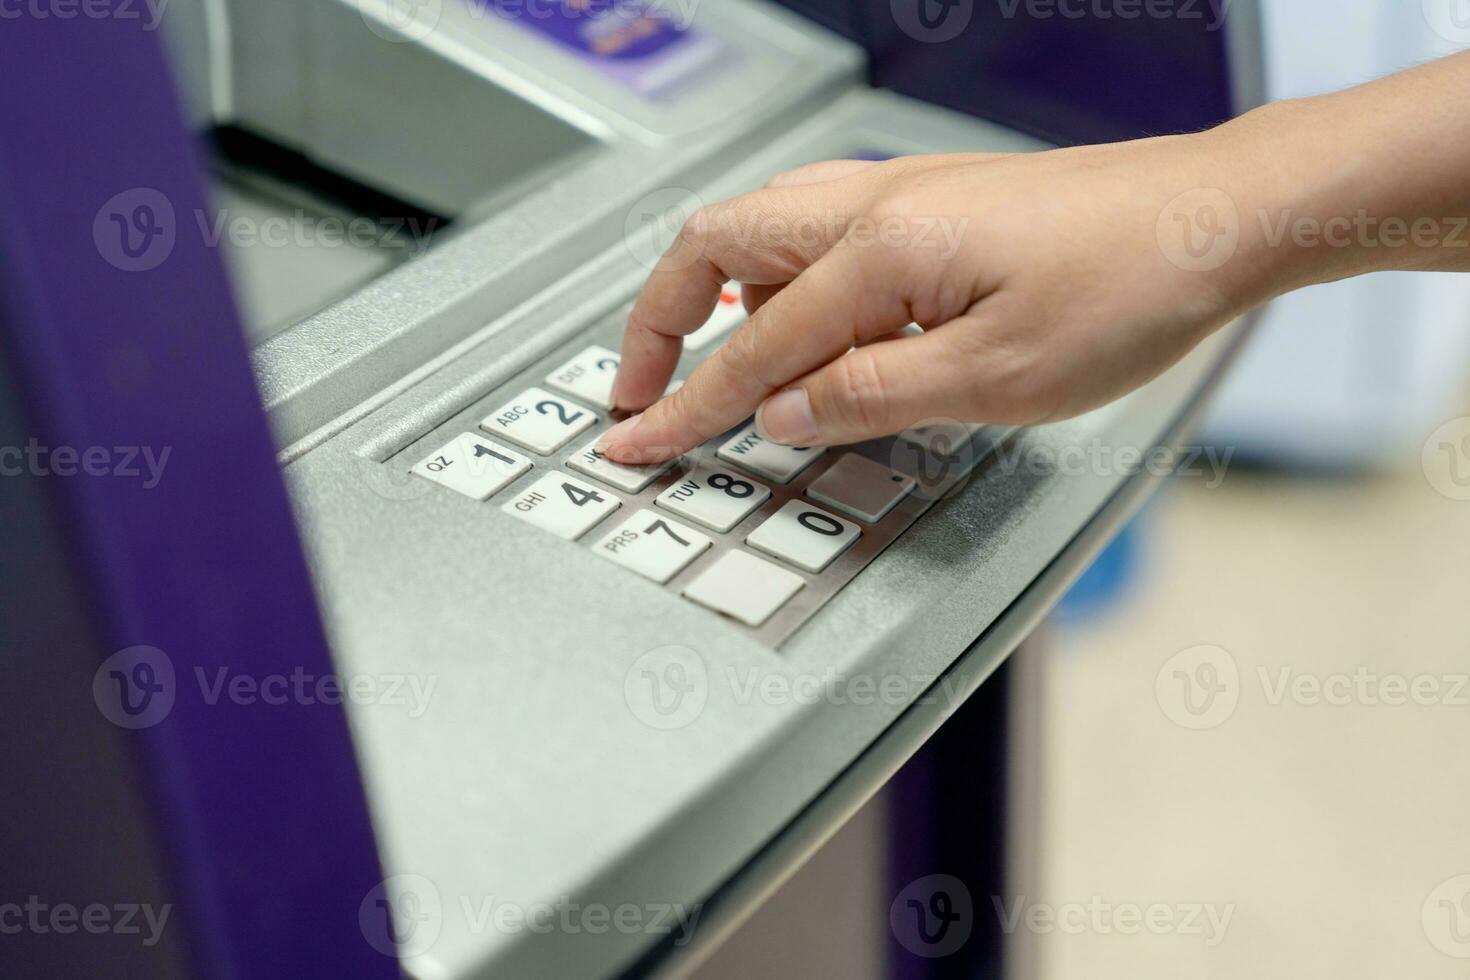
(618, 433)
(786, 417)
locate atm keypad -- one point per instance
(653, 545)
(736, 526)
(539, 421)
(562, 504)
(588, 376)
(804, 536)
(714, 497)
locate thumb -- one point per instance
(872, 391)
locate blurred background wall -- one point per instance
(1351, 373)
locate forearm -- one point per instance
(1354, 182)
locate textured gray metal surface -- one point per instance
(537, 775)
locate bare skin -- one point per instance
(1047, 284)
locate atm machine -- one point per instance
(411, 232)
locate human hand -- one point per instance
(1039, 280)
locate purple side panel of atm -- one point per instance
(1066, 72)
(121, 332)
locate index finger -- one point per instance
(819, 317)
(764, 238)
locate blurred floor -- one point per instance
(1321, 829)
(1324, 838)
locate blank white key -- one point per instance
(729, 312)
(562, 504)
(653, 546)
(588, 376)
(745, 587)
(858, 487)
(539, 421)
(473, 466)
(768, 459)
(629, 479)
(716, 498)
(805, 536)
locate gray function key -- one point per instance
(860, 488)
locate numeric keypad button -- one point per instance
(562, 504)
(744, 587)
(653, 546)
(629, 479)
(716, 498)
(539, 421)
(472, 465)
(808, 538)
(749, 450)
(588, 376)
